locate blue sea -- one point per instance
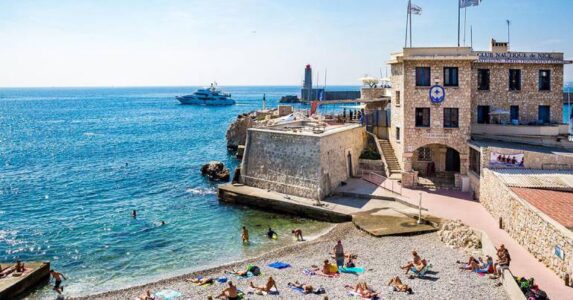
(74, 163)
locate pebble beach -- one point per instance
(380, 257)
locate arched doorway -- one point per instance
(436, 165)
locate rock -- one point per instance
(289, 99)
(459, 235)
(237, 131)
(215, 170)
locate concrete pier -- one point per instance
(36, 273)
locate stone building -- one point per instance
(443, 97)
(302, 158)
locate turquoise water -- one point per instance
(74, 163)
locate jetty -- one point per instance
(36, 273)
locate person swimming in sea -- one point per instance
(245, 235)
(271, 234)
(134, 214)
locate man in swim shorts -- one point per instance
(245, 235)
(229, 293)
(297, 234)
(58, 277)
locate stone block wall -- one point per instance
(282, 162)
(304, 165)
(531, 228)
(528, 98)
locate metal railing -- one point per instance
(382, 181)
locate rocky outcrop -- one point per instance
(215, 170)
(459, 235)
(289, 99)
(237, 131)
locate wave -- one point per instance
(201, 191)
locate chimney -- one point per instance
(499, 47)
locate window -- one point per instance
(451, 76)
(422, 117)
(483, 79)
(397, 134)
(544, 115)
(424, 154)
(422, 76)
(397, 97)
(514, 80)
(483, 114)
(544, 80)
(514, 113)
(451, 118)
(475, 160)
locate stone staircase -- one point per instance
(391, 160)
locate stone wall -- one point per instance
(530, 227)
(528, 98)
(305, 165)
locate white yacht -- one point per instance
(207, 96)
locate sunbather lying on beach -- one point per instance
(417, 263)
(364, 291)
(256, 271)
(398, 286)
(201, 281)
(306, 288)
(267, 287)
(146, 296)
(479, 265)
(229, 293)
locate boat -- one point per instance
(207, 96)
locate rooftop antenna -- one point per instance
(471, 37)
(325, 79)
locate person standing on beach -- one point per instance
(58, 278)
(339, 254)
(245, 235)
(298, 234)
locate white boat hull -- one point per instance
(211, 102)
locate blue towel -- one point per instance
(279, 265)
(351, 270)
(222, 279)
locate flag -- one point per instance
(415, 9)
(313, 107)
(468, 3)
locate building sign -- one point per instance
(520, 57)
(497, 160)
(437, 94)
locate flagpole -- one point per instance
(410, 11)
(471, 37)
(465, 23)
(407, 18)
(459, 8)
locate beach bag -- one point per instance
(332, 268)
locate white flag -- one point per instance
(468, 3)
(415, 9)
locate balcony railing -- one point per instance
(520, 130)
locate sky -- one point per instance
(248, 42)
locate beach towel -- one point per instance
(249, 275)
(355, 294)
(335, 275)
(354, 270)
(423, 271)
(279, 265)
(222, 279)
(308, 272)
(168, 294)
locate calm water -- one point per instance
(75, 162)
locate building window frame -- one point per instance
(422, 117)
(514, 113)
(424, 154)
(423, 76)
(544, 114)
(451, 76)
(451, 117)
(483, 111)
(397, 98)
(545, 80)
(398, 134)
(515, 79)
(483, 79)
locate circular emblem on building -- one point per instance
(437, 94)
